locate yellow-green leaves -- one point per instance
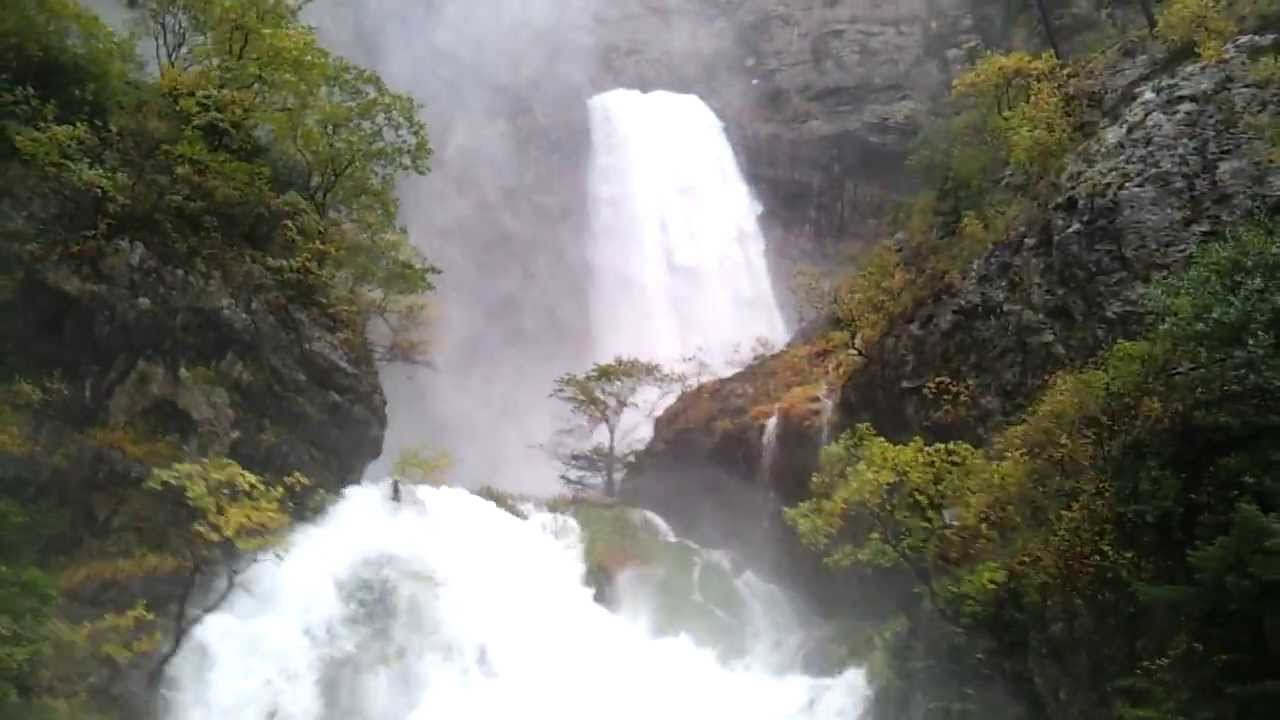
(1029, 96)
(228, 503)
(884, 504)
(255, 145)
(422, 466)
(1007, 80)
(598, 399)
(873, 297)
(1202, 24)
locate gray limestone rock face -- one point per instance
(821, 98)
(1173, 166)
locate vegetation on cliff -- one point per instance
(1113, 550)
(237, 182)
(1116, 553)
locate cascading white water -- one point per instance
(445, 607)
(827, 417)
(676, 252)
(768, 447)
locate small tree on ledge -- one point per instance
(599, 399)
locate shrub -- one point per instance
(1202, 24)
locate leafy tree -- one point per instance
(1030, 98)
(867, 301)
(912, 502)
(59, 63)
(254, 146)
(1202, 24)
(599, 401)
(204, 522)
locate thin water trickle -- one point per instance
(769, 448)
(826, 416)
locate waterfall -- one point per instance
(446, 607)
(826, 416)
(768, 448)
(675, 249)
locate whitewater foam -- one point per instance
(447, 607)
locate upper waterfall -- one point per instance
(676, 253)
(447, 607)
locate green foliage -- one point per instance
(226, 504)
(1266, 70)
(58, 63)
(1205, 25)
(873, 297)
(136, 445)
(421, 466)
(254, 147)
(908, 497)
(986, 165)
(613, 540)
(253, 159)
(26, 605)
(599, 399)
(1129, 524)
(82, 650)
(1029, 96)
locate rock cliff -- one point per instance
(242, 373)
(1173, 161)
(1174, 164)
(821, 97)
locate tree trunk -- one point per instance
(1047, 22)
(610, 479)
(1149, 13)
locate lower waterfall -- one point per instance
(445, 607)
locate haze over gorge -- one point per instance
(763, 359)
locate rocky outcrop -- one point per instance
(220, 367)
(1174, 162)
(133, 364)
(1177, 164)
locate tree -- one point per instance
(254, 144)
(339, 139)
(1205, 25)
(600, 400)
(231, 515)
(204, 522)
(1032, 101)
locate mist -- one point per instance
(505, 85)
